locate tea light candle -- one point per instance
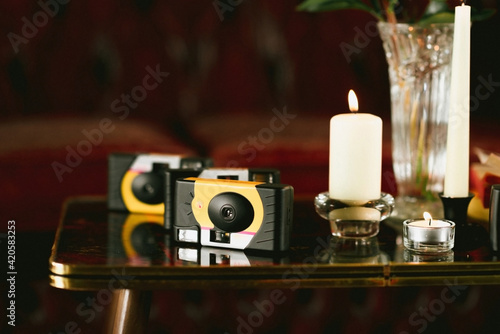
(355, 155)
(428, 235)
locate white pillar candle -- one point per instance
(355, 156)
(456, 182)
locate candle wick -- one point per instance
(430, 221)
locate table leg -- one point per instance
(128, 312)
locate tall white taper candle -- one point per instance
(456, 182)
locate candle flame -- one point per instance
(353, 101)
(428, 218)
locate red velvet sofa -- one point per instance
(253, 86)
(248, 83)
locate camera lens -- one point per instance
(147, 239)
(148, 188)
(230, 212)
(227, 212)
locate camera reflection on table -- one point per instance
(137, 239)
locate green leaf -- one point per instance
(330, 5)
(436, 7)
(376, 6)
(327, 5)
(449, 17)
(438, 18)
(437, 11)
(480, 15)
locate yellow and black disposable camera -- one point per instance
(267, 175)
(243, 215)
(136, 182)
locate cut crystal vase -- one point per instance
(419, 60)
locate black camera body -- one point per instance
(245, 215)
(136, 182)
(268, 175)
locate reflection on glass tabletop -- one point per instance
(94, 244)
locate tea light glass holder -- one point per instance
(353, 219)
(411, 256)
(423, 237)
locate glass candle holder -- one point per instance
(353, 219)
(411, 256)
(356, 250)
(423, 237)
(469, 235)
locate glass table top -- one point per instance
(94, 246)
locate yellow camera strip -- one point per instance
(206, 189)
(131, 202)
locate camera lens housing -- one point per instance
(147, 187)
(147, 239)
(230, 212)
